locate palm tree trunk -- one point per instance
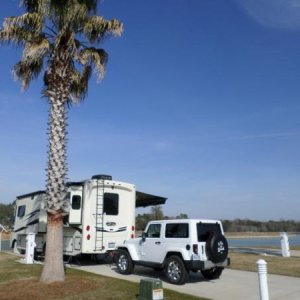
(56, 191)
(54, 266)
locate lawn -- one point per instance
(20, 281)
(289, 266)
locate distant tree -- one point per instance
(157, 213)
(7, 215)
(239, 225)
(141, 221)
(182, 216)
(57, 38)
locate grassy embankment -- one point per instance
(20, 281)
(289, 266)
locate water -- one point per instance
(294, 240)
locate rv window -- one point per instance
(21, 211)
(111, 204)
(76, 202)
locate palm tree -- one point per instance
(57, 39)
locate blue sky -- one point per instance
(200, 104)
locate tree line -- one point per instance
(236, 225)
(243, 225)
(6, 215)
(156, 213)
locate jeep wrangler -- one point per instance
(177, 247)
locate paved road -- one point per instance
(233, 284)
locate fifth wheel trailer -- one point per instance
(102, 215)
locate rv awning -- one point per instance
(144, 200)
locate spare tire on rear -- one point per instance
(216, 247)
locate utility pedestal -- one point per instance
(151, 289)
(285, 247)
(30, 245)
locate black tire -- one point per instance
(35, 254)
(217, 247)
(14, 247)
(213, 273)
(124, 263)
(175, 270)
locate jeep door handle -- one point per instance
(157, 243)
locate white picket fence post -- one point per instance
(262, 277)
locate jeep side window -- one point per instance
(204, 230)
(153, 231)
(177, 230)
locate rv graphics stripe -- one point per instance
(36, 221)
(32, 214)
(19, 229)
(101, 229)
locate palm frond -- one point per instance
(39, 6)
(65, 39)
(16, 35)
(79, 86)
(35, 51)
(96, 58)
(25, 72)
(96, 28)
(22, 29)
(30, 21)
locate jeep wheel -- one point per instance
(124, 262)
(217, 247)
(213, 273)
(175, 270)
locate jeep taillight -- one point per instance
(195, 248)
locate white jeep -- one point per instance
(177, 247)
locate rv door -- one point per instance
(76, 206)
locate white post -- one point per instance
(285, 247)
(262, 277)
(30, 245)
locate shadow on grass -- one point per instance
(21, 281)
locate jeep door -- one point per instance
(152, 251)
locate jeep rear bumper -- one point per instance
(204, 265)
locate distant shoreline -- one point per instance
(255, 235)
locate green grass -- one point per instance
(289, 266)
(295, 247)
(20, 281)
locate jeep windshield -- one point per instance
(204, 230)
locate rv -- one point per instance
(102, 215)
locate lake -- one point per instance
(294, 240)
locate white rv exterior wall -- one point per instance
(81, 232)
(112, 224)
(34, 219)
